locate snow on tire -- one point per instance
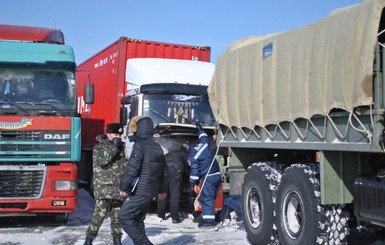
(258, 191)
(337, 221)
(301, 219)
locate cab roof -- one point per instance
(31, 34)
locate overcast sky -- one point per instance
(91, 25)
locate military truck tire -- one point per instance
(257, 205)
(298, 205)
(337, 219)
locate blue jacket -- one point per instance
(200, 158)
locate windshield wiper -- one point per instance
(15, 105)
(160, 115)
(41, 112)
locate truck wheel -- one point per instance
(300, 217)
(338, 222)
(297, 215)
(61, 218)
(257, 204)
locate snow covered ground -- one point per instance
(31, 231)
(160, 231)
(231, 231)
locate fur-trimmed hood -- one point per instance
(141, 127)
(132, 127)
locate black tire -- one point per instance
(297, 216)
(257, 204)
(301, 219)
(337, 219)
(61, 218)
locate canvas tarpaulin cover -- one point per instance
(309, 71)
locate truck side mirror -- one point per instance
(126, 100)
(88, 93)
(123, 115)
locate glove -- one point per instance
(186, 146)
(191, 191)
(117, 142)
(198, 125)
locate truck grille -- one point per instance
(21, 135)
(22, 181)
(34, 145)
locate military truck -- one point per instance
(302, 114)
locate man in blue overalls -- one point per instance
(204, 167)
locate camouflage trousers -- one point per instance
(102, 206)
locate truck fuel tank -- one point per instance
(369, 200)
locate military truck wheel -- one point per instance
(298, 206)
(337, 219)
(257, 205)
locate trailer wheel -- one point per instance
(257, 204)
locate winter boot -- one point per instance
(88, 241)
(117, 240)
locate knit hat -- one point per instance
(114, 128)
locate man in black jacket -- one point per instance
(146, 170)
(177, 169)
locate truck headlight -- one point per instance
(65, 185)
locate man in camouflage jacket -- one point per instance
(108, 166)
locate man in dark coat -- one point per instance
(177, 168)
(108, 165)
(143, 179)
(205, 168)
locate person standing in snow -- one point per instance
(177, 169)
(143, 179)
(204, 167)
(108, 165)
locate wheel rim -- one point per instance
(293, 215)
(253, 208)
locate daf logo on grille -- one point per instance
(56, 136)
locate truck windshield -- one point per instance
(37, 86)
(179, 109)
